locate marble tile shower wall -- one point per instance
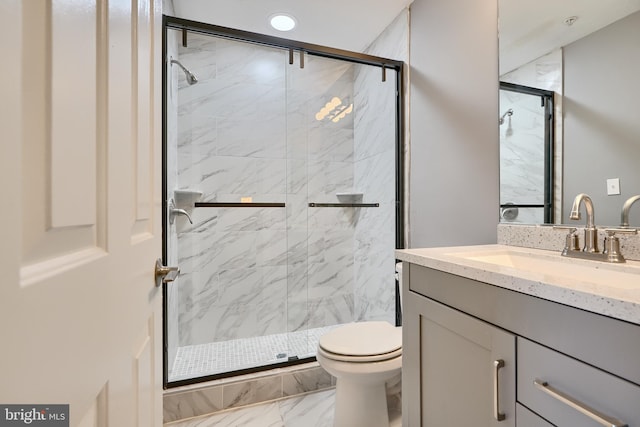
(172, 165)
(250, 272)
(324, 293)
(522, 155)
(374, 176)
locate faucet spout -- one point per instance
(583, 198)
(624, 219)
(590, 231)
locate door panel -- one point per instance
(456, 354)
(81, 167)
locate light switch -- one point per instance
(613, 186)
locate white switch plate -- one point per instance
(613, 186)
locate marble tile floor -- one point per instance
(308, 410)
(226, 356)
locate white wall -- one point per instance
(601, 104)
(454, 116)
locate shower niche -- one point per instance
(263, 150)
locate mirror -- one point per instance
(588, 53)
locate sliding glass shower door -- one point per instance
(280, 201)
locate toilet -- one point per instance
(362, 356)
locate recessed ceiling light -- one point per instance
(282, 22)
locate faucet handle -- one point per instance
(612, 243)
(571, 228)
(571, 242)
(613, 231)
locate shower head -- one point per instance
(191, 79)
(508, 113)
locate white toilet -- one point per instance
(362, 356)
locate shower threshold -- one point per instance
(202, 360)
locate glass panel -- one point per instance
(522, 153)
(231, 147)
(341, 142)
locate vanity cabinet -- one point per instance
(467, 367)
(561, 366)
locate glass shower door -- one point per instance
(227, 206)
(341, 201)
(282, 200)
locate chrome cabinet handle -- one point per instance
(497, 364)
(164, 274)
(578, 406)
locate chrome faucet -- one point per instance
(590, 231)
(611, 252)
(624, 219)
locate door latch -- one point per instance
(164, 274)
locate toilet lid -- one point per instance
(362, 339)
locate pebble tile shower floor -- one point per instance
(213, 358)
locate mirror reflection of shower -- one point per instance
(191, 79)
(507, 113)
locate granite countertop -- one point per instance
(604, 288)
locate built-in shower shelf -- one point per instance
(344, 205)
(186, 198)
(239, 205)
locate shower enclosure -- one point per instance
(526, 154)
(282, 191)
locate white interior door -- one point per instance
(80, 131)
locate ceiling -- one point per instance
(531, 29)
(528, 28)
(343, 24)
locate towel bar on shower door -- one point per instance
(238, 205)
(344, 205)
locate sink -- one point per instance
(553, 266)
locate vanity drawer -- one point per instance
(561, 378)
(526, 418)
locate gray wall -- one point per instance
(454, 123)
(602, 125)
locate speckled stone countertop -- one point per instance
(609, 289)
(548, 237)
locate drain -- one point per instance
(281, 355)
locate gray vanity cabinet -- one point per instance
(466, 373)
(563, 390)
(526, 418)
(560, 365)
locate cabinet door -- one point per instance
(457, 371)
(526, 418)
(570, 393)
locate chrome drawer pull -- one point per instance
(579, 406)
(497, 364)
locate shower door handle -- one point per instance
(164, 274)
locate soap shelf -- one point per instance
(186, 198)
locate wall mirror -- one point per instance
(587, 54)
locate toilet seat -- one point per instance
(362, 342)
